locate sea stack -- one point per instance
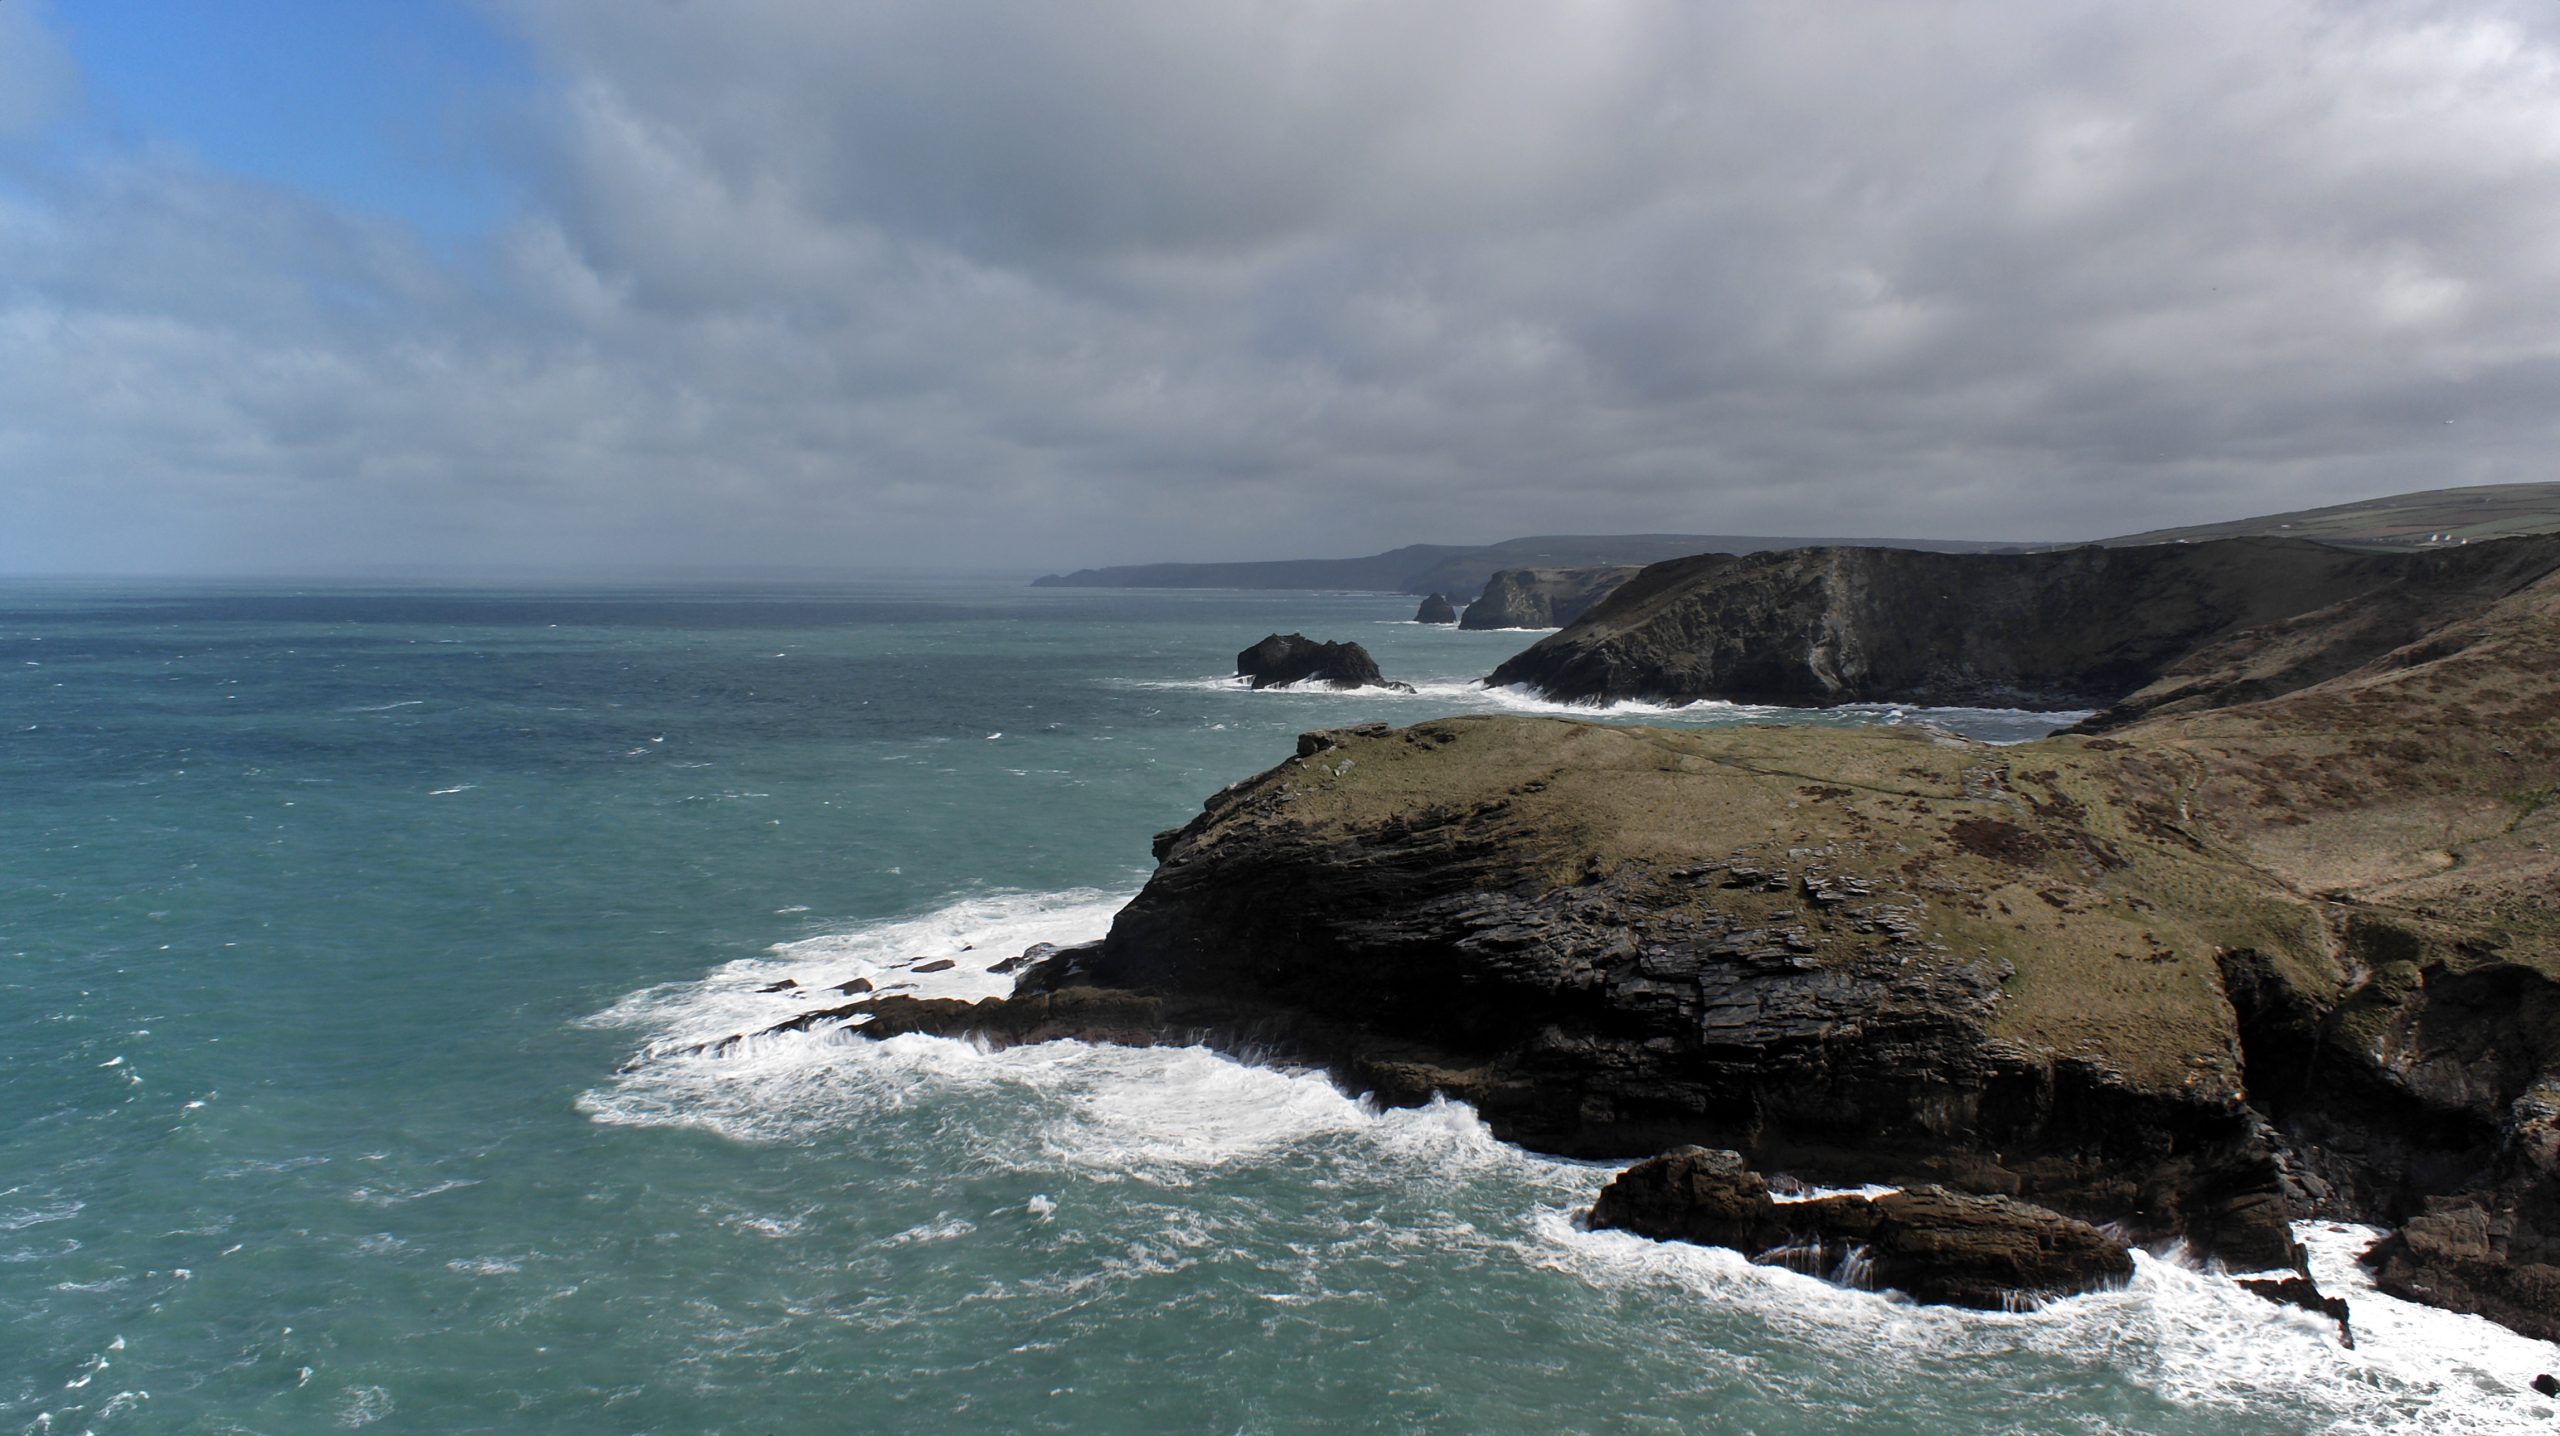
(1436, 609)
(1296, 658)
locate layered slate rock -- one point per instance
(1295, 658)
(2174, 627)
(1932, 1244)
(1436, 609)
(1542, 597)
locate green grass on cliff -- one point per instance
(2063, 860)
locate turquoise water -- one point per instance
(330, 919)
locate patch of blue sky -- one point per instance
(397, 108)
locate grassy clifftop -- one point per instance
(2428, 518)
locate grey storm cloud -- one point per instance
(804, 282)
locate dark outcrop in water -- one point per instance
(1296, 658)
(1435, 609)
(2304, 1293)
(2166, 628)
(1542, 597)
(1927, 1242)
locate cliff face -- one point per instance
(2211, 971)
(2170, 628)
(1542, 597)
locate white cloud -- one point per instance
(1029, 283)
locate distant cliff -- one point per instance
(1542, 597)
(2160, 628)
(1444, 568)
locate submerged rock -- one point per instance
(1296, 658)
(1436, 609)
(1933, 1244)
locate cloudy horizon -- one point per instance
(292, 287)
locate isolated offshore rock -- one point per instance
(1933, 1244)
(1436, 609)
(1296, 658)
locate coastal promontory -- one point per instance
(1542, 597)
(2210, 623)
(2263, 953)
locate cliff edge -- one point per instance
(2174, 627)
(1542, 597)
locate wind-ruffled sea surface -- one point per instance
(339, 927)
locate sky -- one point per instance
(312, 286)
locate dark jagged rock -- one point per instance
(1296, 658)
(2175, 627)
(2301, 1291)
(1435, 609)
(1932, 1244)
(2547, 1384)
(1542, 597)
(1691, 1194)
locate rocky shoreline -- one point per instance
(2230, 963)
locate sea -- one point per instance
(354, 940)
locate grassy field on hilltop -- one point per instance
(2398, 521)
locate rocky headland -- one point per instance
(2165, 628)
(1284, 658)
(2282, 941)
(1542, 597)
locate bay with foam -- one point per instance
(351, 939)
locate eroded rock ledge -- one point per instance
(1927, 1242)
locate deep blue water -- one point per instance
(328, 920)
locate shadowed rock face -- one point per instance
(1935, 1245)
(1296, 658)
(1542, 597)
(1435, 609)
(2165, 628)
(2217, 968)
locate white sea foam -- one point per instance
(1470, 695)
(1166, 1118)
(972, 935)
(27, 1217)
